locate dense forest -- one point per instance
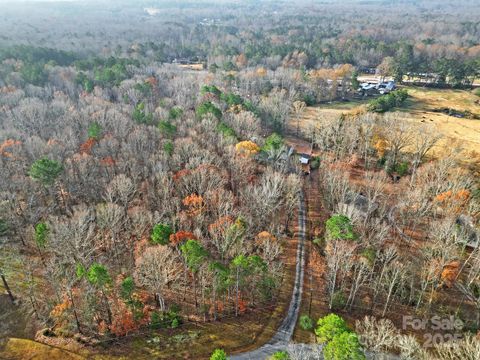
(139, 191)
(423, 38)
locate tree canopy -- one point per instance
(161, 234)
(45, 171)
(339, 227)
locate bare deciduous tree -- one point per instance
(398, 134)
(156, 269)
(377, 335)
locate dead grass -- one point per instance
(196, 67)
(460, 133)
(427, 99)
(313, 115)
(22, 349)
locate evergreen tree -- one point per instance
(45, 171)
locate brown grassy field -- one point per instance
(196, 67)
(22, 349)
(314, 115)
(462, 133)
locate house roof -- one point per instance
(304, 158)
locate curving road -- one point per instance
(282, 337)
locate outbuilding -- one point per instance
(304, 158)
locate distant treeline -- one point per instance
(31, 54)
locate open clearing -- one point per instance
(462, 133)
(424, 102)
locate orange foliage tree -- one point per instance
(181, 236)
(86, 147)
(263, 237)
(242, 305)
(194, 203)
(221, 224)
(6, 145)
(453, 201)
(180, 174)
(58, 312)
(380, 145)
(107, 161)
(241, 61)
(247, 147)
(152, 81)
(450, 273)
(261, 72)
(123, 320)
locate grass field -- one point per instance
(462, 133)
(197, 67)
(419, 109)
(312, 116)
(22, 349)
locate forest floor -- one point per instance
(13, 321)
(189, 341)
(233, 334)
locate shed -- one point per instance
(304, 158)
